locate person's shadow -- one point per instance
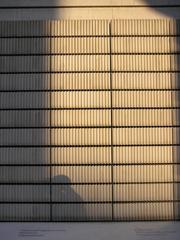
(67, 204)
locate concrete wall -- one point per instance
(127, 72)
(80, 9)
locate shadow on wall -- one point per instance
(175, 117)
(67, 204)
(73, 207)
(31, 73)
(25, 118)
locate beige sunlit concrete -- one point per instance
(138, 63)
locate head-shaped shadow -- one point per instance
(70, 204)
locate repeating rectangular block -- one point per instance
(81, 212)
(79, 63)
(25, 212)
(145, 154)
(145, 27)
(24, 193)
(79, 155)
(145, 80)
(80, 28)
(26, 45)
(148, 211)
(25, 174)
(81, 118)
(143, 63)
(80, 99)
(145, 117)
(25, 82)
(18, 64)
(145, 45)
(81, 193)
(82, 81)
(22, 155)
(144, 136)
(144, 192)
(80, 45)
(82, 136)
(144, 173)
(81, 174)
(144, 99)
(24, 137)
(25, 28)
(26, 118)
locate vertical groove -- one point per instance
(110, 65)
(50, 123)
(172, 122)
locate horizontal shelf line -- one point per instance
(83, 146)
(89, 127)
(94, 90)
(89, 164)
(88, 54)
(89, 6)
(90, 36)
(80, 72)
(88, 183)
(100, 108)
(90, 202)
